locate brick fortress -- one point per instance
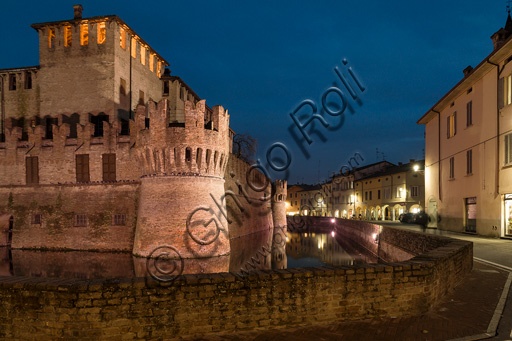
(102, 149)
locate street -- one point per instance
(491, 251)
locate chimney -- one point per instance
(411, 160)
(78, 11)
(400, 164)
(467, 70)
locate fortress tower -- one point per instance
(279, 217)
(279, 204)
(181, 201)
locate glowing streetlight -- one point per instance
(416, 168)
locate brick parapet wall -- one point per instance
(212, 303)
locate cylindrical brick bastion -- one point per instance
(35, 308)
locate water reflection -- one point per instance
(318, 249)
(261, 250)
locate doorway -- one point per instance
(470, 211)
(432, 213)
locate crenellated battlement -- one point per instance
(163, 148)
(280, 191)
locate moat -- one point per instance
(308, 249)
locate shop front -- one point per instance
(507, 219)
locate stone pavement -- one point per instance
(465, 313)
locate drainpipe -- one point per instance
(438, 154)
(497, 168)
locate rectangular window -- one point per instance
(469, 162)
(166, 87)
(370, 195)
(12, 82)
(141, 97)
(122, 38)
(80, 220)
(366, 196)
(32, 170)
(414, 191)
(469, 114)
(158, 67)
(67, 36)
(399, 192)
(28, 80)
(378, 194)
(143, 55)
(109, 167)
(37, 219)
(102, 33)
(508, 149)
(295, 202)
(452, 167)
(151, 62)
(119, 219)
(84, 34)
(82, 168)
(134, 48)
(51, 38)
(451, 125)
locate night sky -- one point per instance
(261, 59)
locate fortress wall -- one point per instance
(58, 206)
(251, 217)
(142, 308)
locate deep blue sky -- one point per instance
(260, 59)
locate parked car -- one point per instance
(407, 218)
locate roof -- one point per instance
(373, 164)
(38, 26)
(24, 68)
(394, 170)
(471, 77)
(307, 188)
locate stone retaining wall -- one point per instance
(198, 304)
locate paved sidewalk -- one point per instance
(467, 311)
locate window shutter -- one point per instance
(507, 149)
(35, 170)
(501, 93)
(448, 127)
(109, 167)
(86, 167)
(454, 123)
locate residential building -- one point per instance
(386, 194)
(341, 196)
(293, 199)
(468, 147)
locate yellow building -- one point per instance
(468, 147)
(395, 190)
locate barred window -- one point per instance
(80, 220)
(37, 219)
(119, 219)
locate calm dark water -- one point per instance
(255, 251)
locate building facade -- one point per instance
(395, 190)
(468, 147)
